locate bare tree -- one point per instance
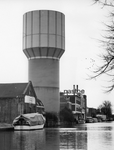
(108, 44)
(105, 2)
(106, 109)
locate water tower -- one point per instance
(44, 44)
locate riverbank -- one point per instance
(5, 126)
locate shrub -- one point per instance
(51, 119)
(66, 115)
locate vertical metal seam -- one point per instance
(61, 32)
(59, 53)
(54, 52)
(55, 49)
(23, 33)
(32, 33)
(39, 32)
(56, 29)
(64, 33)
(32, 29)
(26, 30)
(39, 27)
(47, 33)
(48, 28)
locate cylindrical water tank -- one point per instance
(44, 44)
(44, 29)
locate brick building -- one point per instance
(16, 99)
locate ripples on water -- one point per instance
(92, 136)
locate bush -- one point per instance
(51, 119)
(66, 115)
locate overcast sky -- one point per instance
(83, 25)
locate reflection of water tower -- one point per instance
(44, 44)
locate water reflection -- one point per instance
(5, 140)
(102, 136)
(27, 140)
(73, 140)
(83, 137)
(52, 139)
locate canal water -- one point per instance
(91, 136)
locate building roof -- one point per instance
(12, 89)
(39, 102)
